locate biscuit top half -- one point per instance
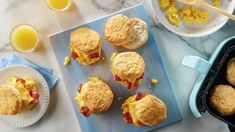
(10, 100)
(85, 39)
(96, 95)
(117, 29)
(150, 110)
(128, 65)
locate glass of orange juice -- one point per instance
(24, 38)
(59, 5)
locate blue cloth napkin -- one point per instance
(45, 72)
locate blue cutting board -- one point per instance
(75, 74)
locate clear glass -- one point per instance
(12, 38)
(61, 9)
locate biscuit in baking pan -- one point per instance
(222, 99)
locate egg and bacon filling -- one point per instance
(82, 57)
(128, 109)
(28, 91)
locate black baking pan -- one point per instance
(212, 73)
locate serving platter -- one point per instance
(75, 74)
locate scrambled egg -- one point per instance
(129, 106)
(113, 55)
(172, 14)
(24, 91)
(164, 4)
(188, 14)
(216, 2)
(154, 82)
(67, 60)
(192, 15)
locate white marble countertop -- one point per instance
(60, 116)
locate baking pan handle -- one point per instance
(231, 128)
(197, 63)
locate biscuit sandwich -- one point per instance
(144, 109)
(85, 46)
(18, 95)
(128, 69)
(95, 96)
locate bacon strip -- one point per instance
(74, 55)
(80, 88)
(94, 55)
(139, 96)
(127, 118)
(85, 111)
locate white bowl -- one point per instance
(196, 30)
(33, 115)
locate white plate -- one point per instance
(197, 30)
(33, 115)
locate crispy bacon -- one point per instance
(94, 55)
(127, 118)
(35, 97)
(117, 78)
(74, 55)
(85, 111)
(22, 81)
(129, 84)
(139, 96)
(80, 88)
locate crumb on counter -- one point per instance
(154, 82)
(67, 60)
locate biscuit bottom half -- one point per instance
(85, 59)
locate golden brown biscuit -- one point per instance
(85, 40)
(222, 99)
(117, 29)
(128, 69)
(144, 109)
(138, 35)
(230, 73)
(85, 46)
(94, 96)
(10, 100)
(150, 110)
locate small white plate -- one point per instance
(196, 30)
(30, 117)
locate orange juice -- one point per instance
(59, 5)
(24, 38)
